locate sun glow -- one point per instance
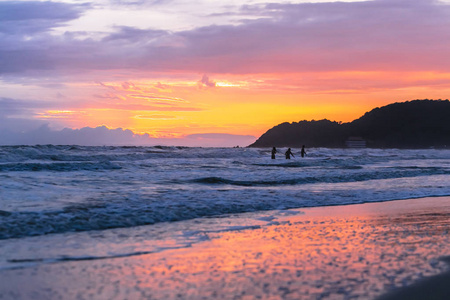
(243, 104)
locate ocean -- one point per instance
(57, 189)
(186, 223)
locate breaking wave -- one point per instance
(55, 189)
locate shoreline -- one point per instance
(332, 252)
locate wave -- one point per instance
(59, 167)
(335, 163)
(320, 156)
(107, 216)
(50, 153)
(356, 177)
(130, 186)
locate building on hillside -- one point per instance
(355, 142)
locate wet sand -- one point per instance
(392, 250)
(431, 288)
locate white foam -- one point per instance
(93, 188)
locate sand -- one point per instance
(393, 250)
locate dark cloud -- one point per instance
(365, 36)
(31, 17)
(25, 42)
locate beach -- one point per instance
(230, 150)
(360, 251)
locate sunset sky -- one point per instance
(211, 73)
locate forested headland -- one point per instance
(411, 124)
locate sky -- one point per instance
(209, 73)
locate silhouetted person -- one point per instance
(303, 152)
(274, 151)
(288, 154)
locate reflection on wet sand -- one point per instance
(347, 252)
(305, 257)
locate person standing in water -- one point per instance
(303, 152)
(274, 151)
(289, 153)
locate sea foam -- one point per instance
(56, 189)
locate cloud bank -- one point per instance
(101, 136)
(368, 35)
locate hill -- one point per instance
(411, 124)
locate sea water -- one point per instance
(69, 212)
(62, 189)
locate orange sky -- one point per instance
(240, 104)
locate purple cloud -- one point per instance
(134, 35)
(102, 135)
(371, 35)
(207, 82)
(31, 17)
(10, 108)
(24, 33)
(85, 136)
(15, 114)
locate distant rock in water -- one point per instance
(411, 124)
